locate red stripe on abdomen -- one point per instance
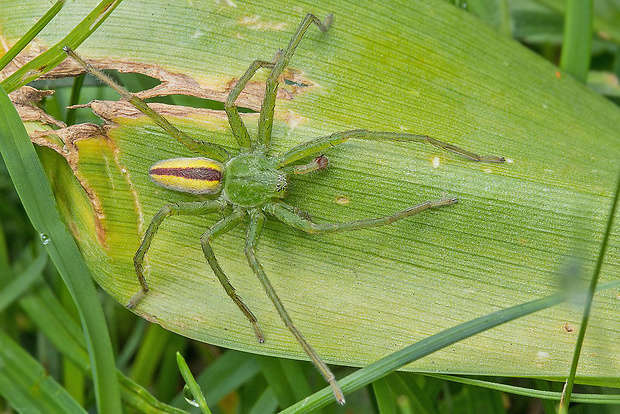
(191, 173)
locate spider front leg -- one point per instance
(321, 144)
(265, 122)
(190, 208)
(257, 220)
(224, 225)
(319, 163)
(207, 149)
(234, 119)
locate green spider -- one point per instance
(252, 183)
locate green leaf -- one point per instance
(383, 396)
(534, 393)
(223, 376)
(420, 402)
(423, 67)
(429, 345)
(27, 386)
(606, 15)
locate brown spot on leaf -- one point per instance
(342, 200)
(295, 81)
(566, 326)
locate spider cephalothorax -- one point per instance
(252, 180)
(254, 183)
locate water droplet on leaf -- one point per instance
(189, 397)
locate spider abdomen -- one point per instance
(195, 175)
(252, 180)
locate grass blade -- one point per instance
(568, 389)
(150, 353)
(274, 373)
(266, 403)
(54, 55)
(193, 386)
(30, 34)
(530, 392)
(22, 282)
(418, 400)
(42, 307)
(36, 195)
(78, 82)
(26, 384)
(224, 376)
(383, 396)
(577, 38)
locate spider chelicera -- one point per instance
(252, 183)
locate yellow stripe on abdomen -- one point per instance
(189, 175)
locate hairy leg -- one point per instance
(207, 149)
(224, 225)
(256, 224)
(321, 144)
(189, 209)
(236, 124)
(265, 122)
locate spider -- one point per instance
(251, 184)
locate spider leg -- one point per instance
(224, 225)
(286, 214)
(266, 113)
(207, 149)
(317, 164)
(195, 208)
(257, 220)
(321, 144)
(236, 124)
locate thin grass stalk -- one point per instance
(530, 392)
(74, 99)
(27, 386)
(49, 59)
(20, 284)
(577, 43)
(568, 389)
(31, 34)
(226, 374)
(194, 388)
(53, 321)
(149, 354)
(265, 404)
(418, 400)
(383, 397)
